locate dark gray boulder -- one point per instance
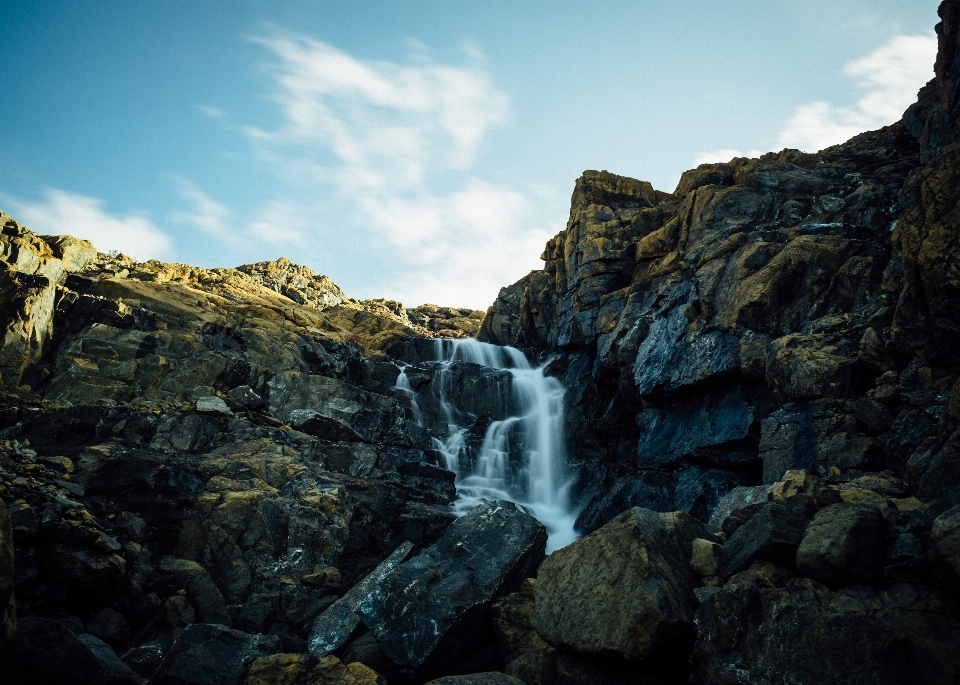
(844, 545)
(433, 611)
(772, 534)
(334, 627)
(212, 654)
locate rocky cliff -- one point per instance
(226, 476)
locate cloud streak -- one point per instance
(396, 144)
(887, 78)
(63, 213)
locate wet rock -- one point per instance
(335, 626)
(738, 498)
(306, 669)
(844, 544)
(211, 654)
(8, 618)
(243, 397)
(144, 659)
(626, 589)
(763, 626)
(213, 405)
(683, 428)
(44, 651)
(448, 588)
(772, 534)
(648, 489)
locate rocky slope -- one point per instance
(212, 476)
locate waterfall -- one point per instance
(522, 457)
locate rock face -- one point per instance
(764, 627)
(8, 617)
(439, 601)
(218, 475)
(625, 589)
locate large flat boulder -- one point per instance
(433, 611)
(626, 589)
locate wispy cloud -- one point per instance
(889, 78)
(722, 155)
(212, 112)
(397, 144)
(206, 214)
(63, 213)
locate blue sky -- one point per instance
(420, 151)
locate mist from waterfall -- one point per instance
(523, 457)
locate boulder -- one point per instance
(306, 669)
(334, 627)
(705, 557)
(772, 534)
(626, 589)
(513, 622)
(212, 654)
(844, 544)
(44, 651)
(763, 626)
(433, 611)
(492, 678)
(946, 537)
(201, 590)
(8, 617)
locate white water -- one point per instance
(540, 482)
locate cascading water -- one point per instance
(522, 457)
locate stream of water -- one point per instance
(522, 457)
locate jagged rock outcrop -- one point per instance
(210, 474)
(786, 312)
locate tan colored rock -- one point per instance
(626, 589)
(305, 669)
(705, 557)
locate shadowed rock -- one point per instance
(844, 545)
(772, 534)
(431, 612)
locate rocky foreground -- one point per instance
(211, 476)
